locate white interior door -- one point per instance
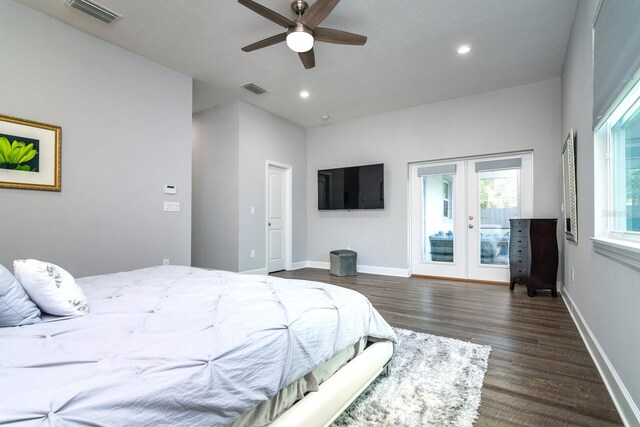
(460, 213)
(276, 218)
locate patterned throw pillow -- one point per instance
(16, 308)
(51, 287)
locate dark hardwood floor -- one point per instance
(540, 372)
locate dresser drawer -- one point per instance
(519, 272)
(518, 262)
(519, 252)
(520, 223)
(517, 232)
(520, 241)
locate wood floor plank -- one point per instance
(540, 372)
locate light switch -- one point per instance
(253, 210)
(172, 206)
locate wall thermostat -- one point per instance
(170, 189)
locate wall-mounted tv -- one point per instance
(356, 187)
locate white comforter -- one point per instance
(176, 346)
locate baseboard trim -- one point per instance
(299, 265)
(622, 400)
(260, 271)
(455, 279)
(317, 264)
(368, 269)
(384, 271)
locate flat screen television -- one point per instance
(356, 187)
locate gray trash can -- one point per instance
(343, 262)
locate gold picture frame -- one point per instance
(29, 154)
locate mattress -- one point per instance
(267, 411)
(173, 345)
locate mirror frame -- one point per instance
(570, 193)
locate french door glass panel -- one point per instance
(438, 218)
(499, 197)
(437, 189)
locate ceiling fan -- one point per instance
(304, 31)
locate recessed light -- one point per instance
(464, 49)
(304, 94)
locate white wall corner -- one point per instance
(622, 400)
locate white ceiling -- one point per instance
(410, 57)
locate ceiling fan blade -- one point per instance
(269, 41)
(308, 59)
(317, 12)
(329, 35)
(268, 13)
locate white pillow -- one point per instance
(51, 287)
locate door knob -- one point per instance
(269, 224)
(470, 218)
(470, 225)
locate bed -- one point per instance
(172, 345)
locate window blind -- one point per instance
(496, 165)
(616, 53)
(437, 170)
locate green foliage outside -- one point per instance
(14, 155)
(498, 193)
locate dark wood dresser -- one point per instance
(533, 254)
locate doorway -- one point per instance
(279, 217)
(460, 211)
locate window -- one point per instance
(446, 198)
(619, 137)
(623, 135)
(616, 107)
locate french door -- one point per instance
(460, 211)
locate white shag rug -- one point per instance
(433, 381)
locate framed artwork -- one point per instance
(29, 154)
(570, 187)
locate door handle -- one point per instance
(470, 225)
(269, 224)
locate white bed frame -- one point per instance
(321, 408)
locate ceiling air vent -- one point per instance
(94, 9)
(254, 88)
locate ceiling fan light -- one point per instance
(300, 40)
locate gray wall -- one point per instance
(215, 228)
(126, 131)
(265, 136)
(606, 293)
(232, 143)
(520, 118)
